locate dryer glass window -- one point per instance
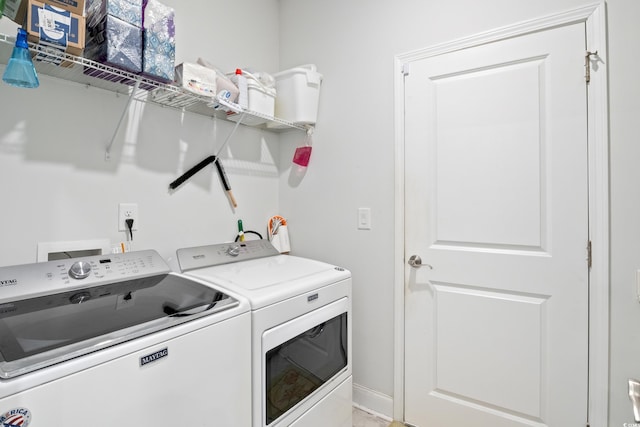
(296, 368)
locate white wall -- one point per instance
(56, 184)
(624, 104)
(354, 43)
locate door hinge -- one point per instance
(587, 65)
(589, 256)
(405, 69)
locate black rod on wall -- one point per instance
(197, 168)
(194, 170)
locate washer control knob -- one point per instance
(80, 297)
(233, 250)
(80, 270)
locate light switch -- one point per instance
(364, 218)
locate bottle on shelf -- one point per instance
(20, 71)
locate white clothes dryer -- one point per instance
(120, 340)
(301, 329)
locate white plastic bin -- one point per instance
(260, 99)
(254, 95)
(298, 93)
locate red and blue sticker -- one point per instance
(18, 417)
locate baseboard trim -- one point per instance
(373, 402)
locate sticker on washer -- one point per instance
(154, 357)
(18, 417)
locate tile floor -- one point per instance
(364, 419)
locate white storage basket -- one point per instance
(297, 94)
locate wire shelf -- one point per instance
(53, 62)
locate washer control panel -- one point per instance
(31, 280)
(80, 270)
(223, 253)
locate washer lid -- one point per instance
(271, 279)
(47, 317)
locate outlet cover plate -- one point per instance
(126, 211)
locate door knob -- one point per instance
(634, 395)
(416, 262)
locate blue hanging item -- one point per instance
(20, 71)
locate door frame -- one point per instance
(594, 17)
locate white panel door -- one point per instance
(497, 209)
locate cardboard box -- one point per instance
(16, 10)
(196, 79)
(55, 28)
(74, 6)
(116, 43)
(159, 42)
(129, 11)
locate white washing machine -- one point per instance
(120, 340)
(301, 329)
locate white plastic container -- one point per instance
(254, 95)
(298, 93)
(261, 99)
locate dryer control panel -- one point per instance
(223, 253)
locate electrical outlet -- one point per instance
(128, 211)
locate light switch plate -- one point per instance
(364, 218)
